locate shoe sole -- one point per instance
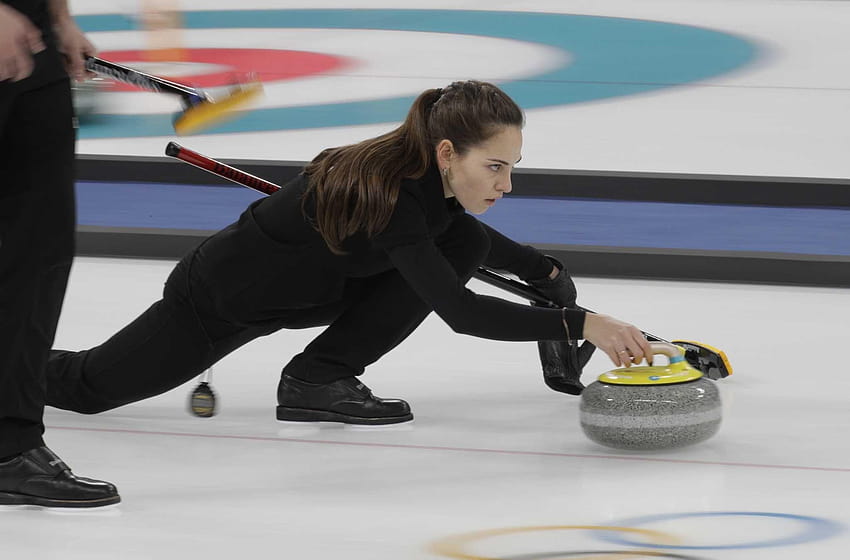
(13, 499)
(289, 414)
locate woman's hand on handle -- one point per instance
(75, 47)
(624, 343)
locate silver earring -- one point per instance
(446, 172)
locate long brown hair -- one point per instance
(356, 187)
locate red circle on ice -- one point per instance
(234, 65)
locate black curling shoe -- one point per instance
(346, 400)
(38, 477)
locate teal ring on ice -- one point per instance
(609, 57)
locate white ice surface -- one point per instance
(785, 114)
(491, 447)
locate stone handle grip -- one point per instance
(673, 352)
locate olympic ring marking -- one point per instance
(815, 529)
(453, 547)
(608, 555)
(613, 57)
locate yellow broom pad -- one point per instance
(206, 114)
(720, 353)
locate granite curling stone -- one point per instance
(651, 407)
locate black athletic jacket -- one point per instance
(273, 251)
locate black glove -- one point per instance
(562, 360)
(560, 290)
(563, 363)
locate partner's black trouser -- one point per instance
(37, 219)
(177, 338)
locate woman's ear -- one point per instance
(445, 152)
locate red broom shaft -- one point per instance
(221, 169)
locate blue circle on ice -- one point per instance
(609, 57)
(811, 529)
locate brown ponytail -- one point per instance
(356, 187)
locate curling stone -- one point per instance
(651, 407)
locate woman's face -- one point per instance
(482, 175)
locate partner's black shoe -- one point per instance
(38, 477)
(346, 400)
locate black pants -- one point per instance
(176, 339)
(37, 220)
